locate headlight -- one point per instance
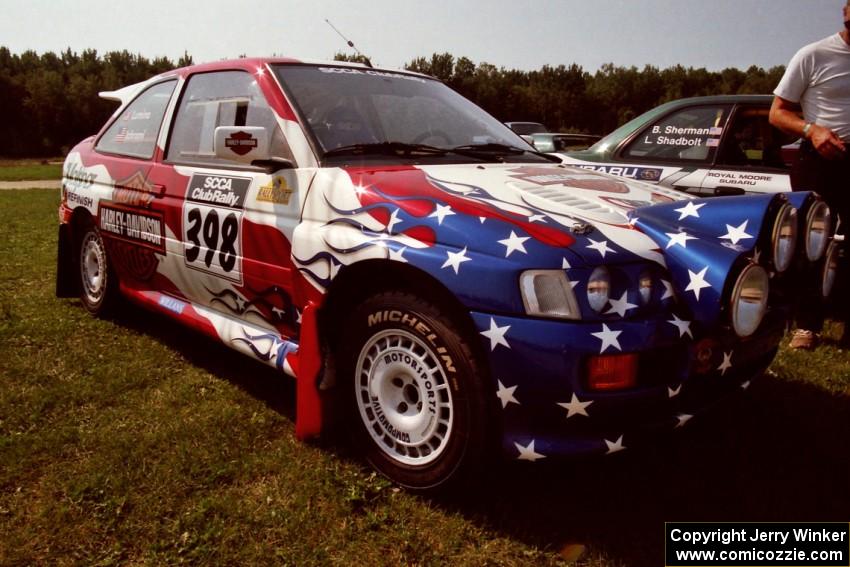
(645, 287)
(830, 268)
(749, 300)
(818, 226)
(547, 293)
(784, 237)
(598, 288)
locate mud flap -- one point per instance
(67, 284)
(308, 403)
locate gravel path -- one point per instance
(37, 184)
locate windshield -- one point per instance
(610, 141)
(348, 107)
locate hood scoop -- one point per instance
(539, 197)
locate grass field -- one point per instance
(32, 169)
(131, 441)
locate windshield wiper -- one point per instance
(490, 148)
(386, 148)
(484, 152)
(494, 149)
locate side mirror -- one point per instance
(243, 144)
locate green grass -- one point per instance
(30, 171)
(130, 441)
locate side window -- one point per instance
(752, 142)
(135, 131)
(229, 98)
(689, 134)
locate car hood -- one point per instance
(510, 218)
(561, 206)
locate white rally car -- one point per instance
(428, 279)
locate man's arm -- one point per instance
(784, 114)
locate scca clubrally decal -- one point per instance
(218, 190)
(145, 228)
(212, 221)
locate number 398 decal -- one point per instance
(212, 219)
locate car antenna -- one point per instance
(350, 44)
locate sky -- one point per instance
(520, 34)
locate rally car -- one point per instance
(430, 281)
(713, 145)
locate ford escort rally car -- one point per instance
(712, 145)
(428, 279)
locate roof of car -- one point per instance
(129, 92)
(257, 62)
(730, 99)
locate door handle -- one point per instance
(727, 190)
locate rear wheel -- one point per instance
(418, 395)
(98, 285)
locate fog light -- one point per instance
(645, 287)
(784, 237)
(598, 288)
(830, 268)
(612, 372)
(749, 300)
(818, 227)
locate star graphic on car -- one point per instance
(736, 233)
(514, 243)
(601, 247)
(683, 326)
(506, 395)
(441, 213)
(697, 282)
(689, 210)
(620, 306)
(576, 406)
(528, 453)
(455, 259)
(608, 338)
(615, 446)
(680, 238)
(496, 334)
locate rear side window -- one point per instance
(689, 134)
(751, 141)
(135, 131)
(210, 100)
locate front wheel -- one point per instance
(98, 285)
(418, 394)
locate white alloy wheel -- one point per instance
(403, 397)
(93, 271)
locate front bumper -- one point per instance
(544, 366)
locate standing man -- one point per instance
(817, 82)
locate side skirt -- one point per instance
(301, 361)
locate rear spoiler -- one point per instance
(128, 93)
(123, 95)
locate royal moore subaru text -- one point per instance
(418, 269)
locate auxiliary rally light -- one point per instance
(612, 372)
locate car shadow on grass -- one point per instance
(262, 382)
(780, 452)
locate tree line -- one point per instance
(50, 102)
(569, 99)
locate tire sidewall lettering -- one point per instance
(412, 321)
